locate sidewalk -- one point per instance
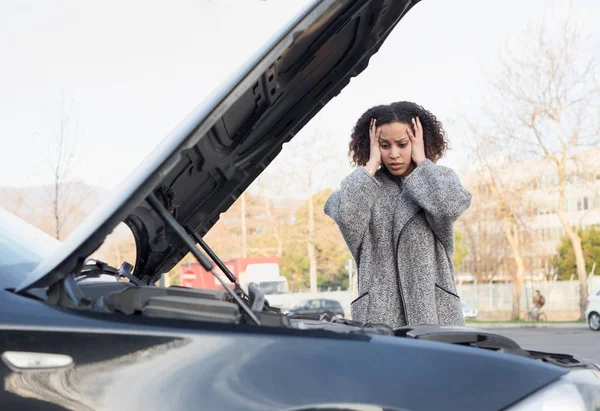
(498, 325)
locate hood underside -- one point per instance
(223, 146)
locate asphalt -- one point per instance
(576, 339)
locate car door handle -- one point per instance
(19, 361)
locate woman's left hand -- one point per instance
(416, 141)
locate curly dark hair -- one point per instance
(434, 135)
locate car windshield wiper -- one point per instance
(201, 258)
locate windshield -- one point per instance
(273, 287)
(22, 246)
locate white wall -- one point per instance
(560, 295)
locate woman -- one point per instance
(396, 213)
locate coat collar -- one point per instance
(385, 177)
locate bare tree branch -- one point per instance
(550, 100)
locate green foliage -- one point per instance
(564, 261)
(460, 250)
(294, 265)
(331, 250)
(332, 253)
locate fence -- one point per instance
(559, 295)
(562, 298)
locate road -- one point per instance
(581, 342)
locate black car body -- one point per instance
(317, 307)
(73, 335)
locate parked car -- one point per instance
(469, 312)
(67, 342)
(317, 307)
(592, 312)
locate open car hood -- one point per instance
(223, 145)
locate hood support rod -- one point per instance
(211, 254)
(216, 260)
(204, 262)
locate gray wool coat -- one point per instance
(400, 233)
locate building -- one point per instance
(530, 189)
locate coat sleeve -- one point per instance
(438, 190)
(350, 207)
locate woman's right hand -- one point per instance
(375, 154)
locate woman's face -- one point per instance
(396, 153)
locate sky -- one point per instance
(130, 71)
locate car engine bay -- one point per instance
(99, 287)
(103, 290)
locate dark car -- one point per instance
(318, 307)
(78, 334)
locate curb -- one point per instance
(528, 325)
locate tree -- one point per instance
(565, 262)
(483, 235)
(14, 200)
(548, 96)
(460, 250)
(331, 252)
(275, 212)
(65, 196)
(244, 227)
(304, 163)
(507, 191)
(231, 235)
